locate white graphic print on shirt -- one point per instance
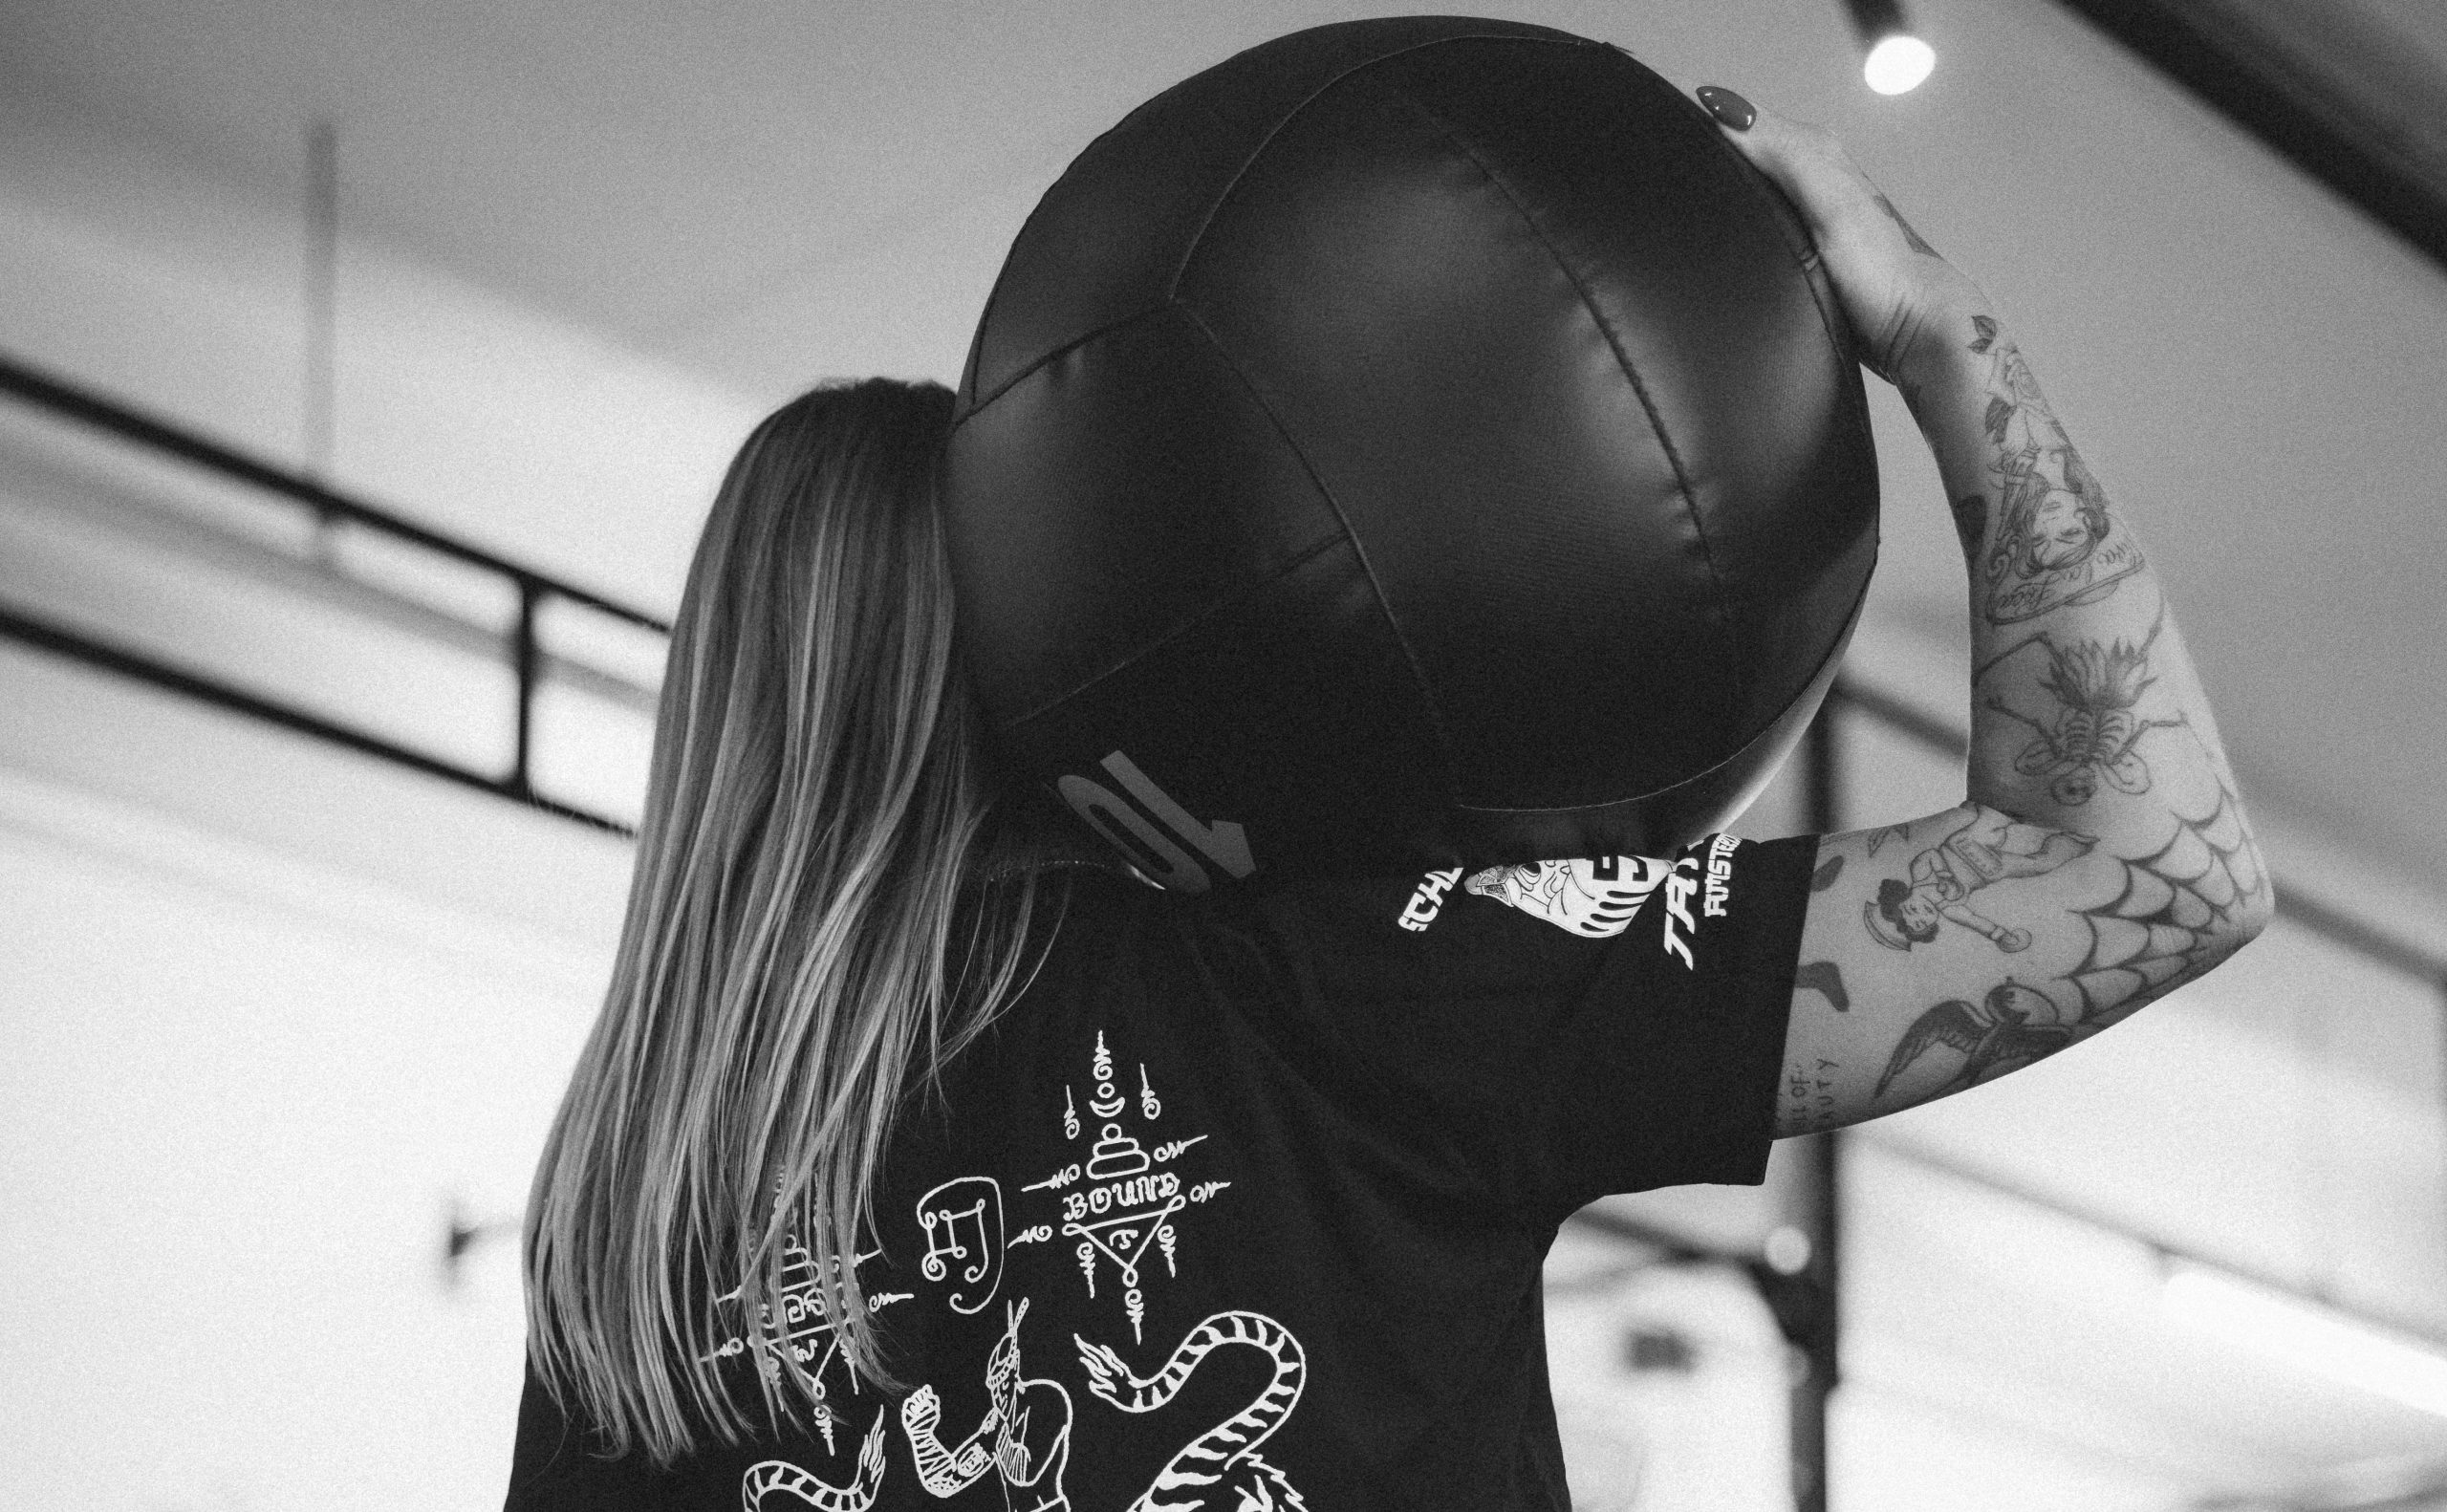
(1123, 1203)
(802, 1488)
(979, 1251)
(1595, 895)
(1719, 874)
(803, 1339)
(1026, 1425)
(1428, 899)
(1127, 1204)
(1221, 1469)
(1685, 880)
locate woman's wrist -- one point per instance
(1942, 351)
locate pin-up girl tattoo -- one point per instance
(2054, 543)
(1988, 846)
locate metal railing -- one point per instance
(518, 648)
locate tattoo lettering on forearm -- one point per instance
(1919, 243)
(2054, 542)
(1985, 846)
(2096, 686)
(1809, 1094)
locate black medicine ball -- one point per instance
(1410, 443)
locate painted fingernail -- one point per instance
(1727, 107)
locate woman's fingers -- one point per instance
(1888, 278)
(1806, 161)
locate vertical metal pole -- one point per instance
(322, 296)
(522, 657)
(321, 378)
(1816, 1201)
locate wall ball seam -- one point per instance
(1230, 601)
(1048, 359)
(1614, 343)
(1807, 257)
(1419, 679)
(1231, 186)
(1820, 679)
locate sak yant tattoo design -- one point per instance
(2095, 730)
(800, 1329)
(1985, 846)
(2054, 543)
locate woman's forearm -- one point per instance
(2085, 712)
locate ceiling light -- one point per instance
(1893, 58)
(2309, 1336)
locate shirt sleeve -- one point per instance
(1587, 1027)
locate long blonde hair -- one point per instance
(809, 922)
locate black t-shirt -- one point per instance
(1243, 1204)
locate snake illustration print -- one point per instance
(772, 1485)
(1219, 1470)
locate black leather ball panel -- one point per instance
(1410, 441)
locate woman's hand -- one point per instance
(1891, 284)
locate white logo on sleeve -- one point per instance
(1719, 874)
(1714, 887)
(1595, 897)
(1678, 889)
(1429, 899)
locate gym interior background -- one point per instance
(282, 1018)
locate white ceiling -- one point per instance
(685, 177)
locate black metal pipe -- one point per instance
(1817, 1195)
(523, 663)
(76, 647)
(87, 408)
(1877, 20)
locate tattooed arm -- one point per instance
(2102, 857)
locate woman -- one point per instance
(915, 1158)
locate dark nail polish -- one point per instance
(1727, 107)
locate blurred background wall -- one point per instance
(281, 1025)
